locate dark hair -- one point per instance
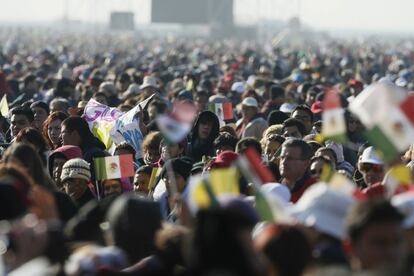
(126, 146)
(27, 112)
(159, 105)
(276, 137)
(35, 138)
(276, 117)
(97, 94)
(147, 169)
(58, 115)
(292, 122)
(248, 142)
(305, 108)
(306, 151)
(31, 161)
(225, 139)
(228, 129)
(28, 79)
(40, 104)
(286, 247)
(276, 91)
(330, 150)
(323, 159)
(81, 126)
(369, 212)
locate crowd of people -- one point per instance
(58, 218)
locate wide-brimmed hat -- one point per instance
(149, 82)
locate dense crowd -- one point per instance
(59, 217)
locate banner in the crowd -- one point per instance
(333, 118)
(175, 126)
(388, 116)
(113, 167)
(101, 119)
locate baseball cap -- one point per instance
(369, 156)
(250, 101)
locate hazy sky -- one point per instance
(395, 15)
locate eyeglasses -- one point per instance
(366, 167)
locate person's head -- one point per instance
(375, 235)
(25, 156)
(182, 168)
(272, 145)
(371, 166)
(276, 117)
(293, 128)
(201, 100)
(52, 127)
(151, 147)
(206, 126)
(31, 136)
(317, 164)
(246, 143)
(225, 141)
(75, 177)
(228, 129)
(59, 104)
(286, 249)
(59, 157)
(142, 178)
(156, 108)
(29, 83)
(20, 118)
(124, 148)
(294, 159)
(112, 187)
(100, 97)
(277, 94)
(305, 115)
(328, 153)
(41, 111)
(249, 108)
(75, 131)
(172, 150)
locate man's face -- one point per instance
(69, 137)
(380, 246)
(372, 173)
(112, 187)
(204, 129)
(75, 188)
(304, 117)
(57, 168)
(40, 116)
(292, 166)
(292, 131)
(18, 122)
(141, 182)
(248, 112)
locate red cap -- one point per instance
(317, 107)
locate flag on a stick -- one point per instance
(113, 167)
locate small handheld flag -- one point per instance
(113, 167)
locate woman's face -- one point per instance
(271, 148)
(53, 131)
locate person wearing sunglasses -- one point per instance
(371, 167)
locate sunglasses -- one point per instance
(371, 167)
(315, 172)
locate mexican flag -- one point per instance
(175, 126)
(388, 115)
(224, 111)
(250, 165)
(113, 167)
(333, 120)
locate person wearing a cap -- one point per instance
(251, 124)
(305, 115)
(148, 86)
(371, 167)
(75, 177)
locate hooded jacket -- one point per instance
(197, 147)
